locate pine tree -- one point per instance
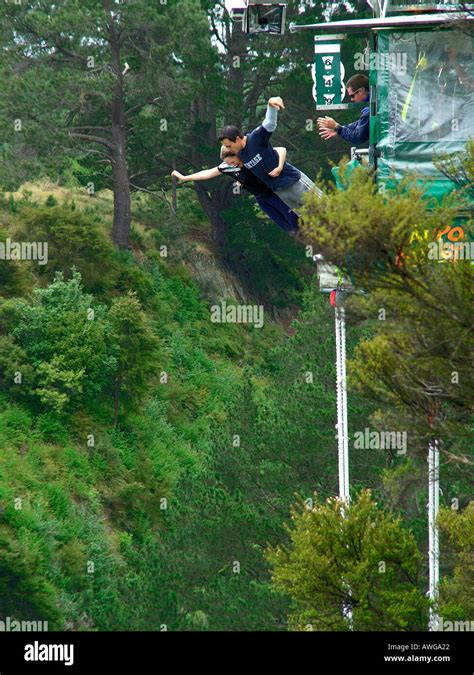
(356, 557)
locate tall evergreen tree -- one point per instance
(78, 75)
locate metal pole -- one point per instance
(359, 25)
(342, 425)
(433, 530)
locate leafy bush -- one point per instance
(51, 428)
(67, 343)
(75, 241)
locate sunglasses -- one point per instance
(351, 96)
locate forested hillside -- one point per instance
(153, 506)
(162, 470)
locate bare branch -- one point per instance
(141, 105)
(103, 154)
(216, 32)
(94, 139)
(457, 459)
(95, 128)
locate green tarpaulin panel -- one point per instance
(350, 168)
(425, 104)
(401, 6)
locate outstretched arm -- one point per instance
(206, 174)
(275, 103)
(281, 162)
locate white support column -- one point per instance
(433, 530)
(342, 428)
(379, 7)
(342, 425)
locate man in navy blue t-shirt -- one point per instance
(268, 201)
(259, 156)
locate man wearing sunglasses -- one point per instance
(357, 132)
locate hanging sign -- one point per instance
(328, 73)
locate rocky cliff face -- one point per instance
(218, 283)
(215, 282)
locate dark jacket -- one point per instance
(359, 131)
